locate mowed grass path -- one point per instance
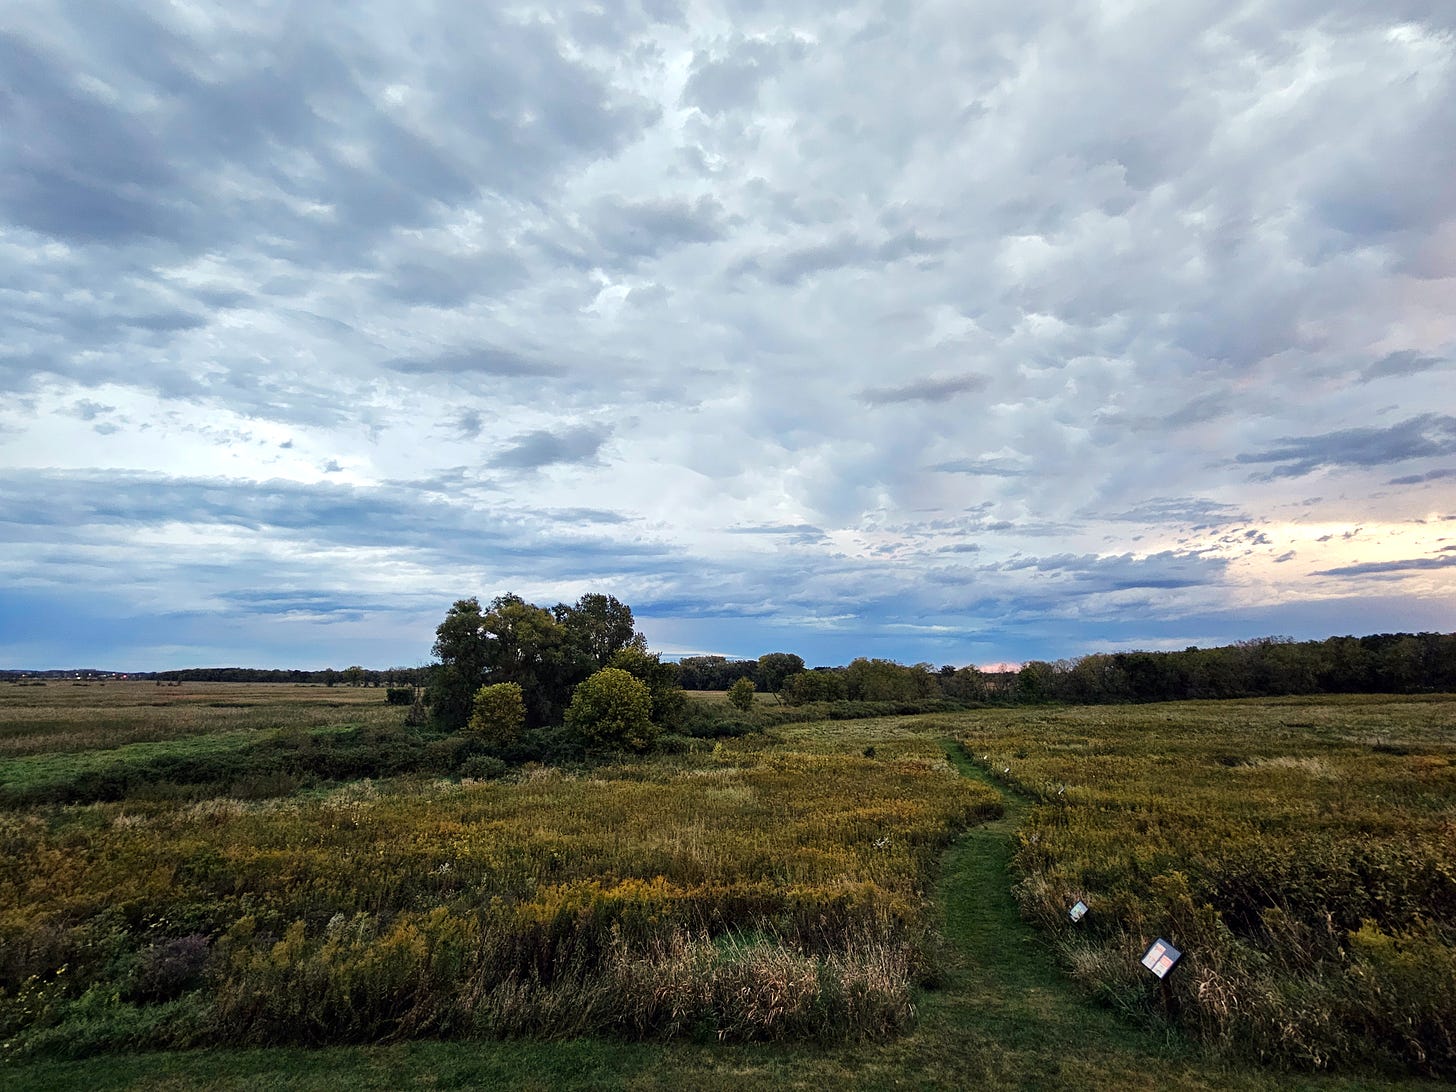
(1004, 1017)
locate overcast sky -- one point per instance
(959, 332)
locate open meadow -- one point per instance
(1300, 852)
(258, 869)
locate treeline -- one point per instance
(1398, 663)
(1389, 663)
(349, 676)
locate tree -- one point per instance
(499, 713)
(807, 686)
(528, 645)
(886, 680)
(775, 667)
(1036, 681)
(713, 672)
(966, 684)
(740, 695)
(512, 641)
(460, 646)
(602, 626)
(354, 675)
(612, 710)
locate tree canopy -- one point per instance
(546, 653)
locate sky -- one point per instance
(960, 332)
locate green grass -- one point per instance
(36, 772)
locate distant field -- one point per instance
(81, 716)
(793, 886)
(719, 697)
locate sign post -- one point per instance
(1161, 957)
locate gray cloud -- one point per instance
(1428, 476)
(545, 448)
(930, 389)
(1401, 363)
(483, 361)
(790, 265)
(1428, 435)
(1377, 568)
(994, 468)
(800, 529)
(731, 79)
(1182, 511)
(637, 229)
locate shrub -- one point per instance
(499, 713)
(611, 710)
(400, 695)
(740, 695)
(483, 767)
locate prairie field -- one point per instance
(745, 889)
(205, 866)
(1300, 852)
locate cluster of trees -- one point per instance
(513, 667)
(767, 673)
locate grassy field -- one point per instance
(783, 909)
(1301, 852)
(71, 717)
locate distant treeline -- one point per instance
(349, 676)
(1398, 663)
(1394, 663)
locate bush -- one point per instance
(499, 713)
(612, 710)
(484, 767)
(740, 695)
(400, 695)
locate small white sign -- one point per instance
(1078, 910)
(1160, 957)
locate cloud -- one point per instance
(635, 229)
(1428, 476)
(1400, 363)
(1183, 511)
(1424, 436)
(542, 448)
(1373, 568)
(792, 264)
(799, 530)
(930, 389)
(731, 78)
(827, 337)
(994, 468)
(484, 361)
